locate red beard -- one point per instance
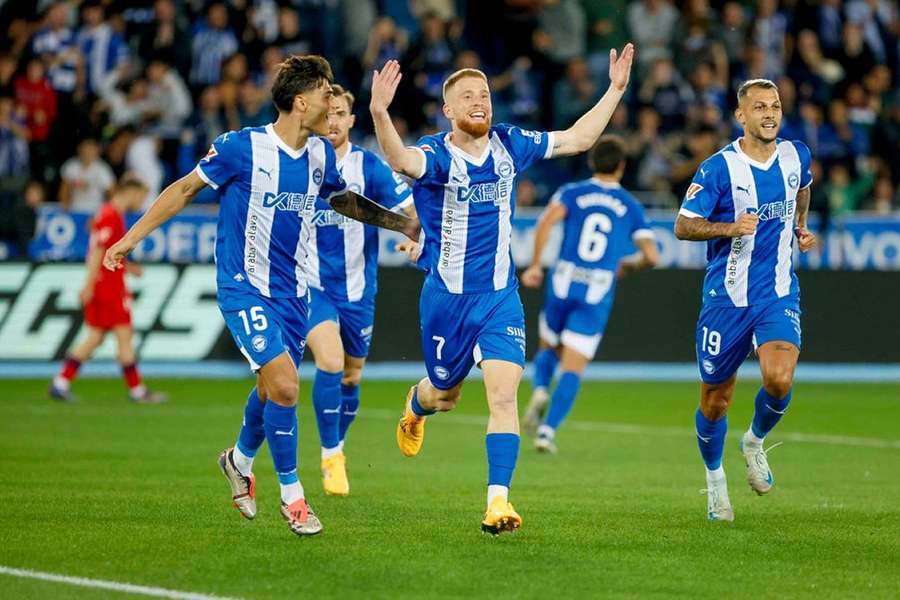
(474, 129)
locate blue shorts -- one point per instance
(264, 327)
(573, 322)
(461, 330)
(355, 320)
(726, 334)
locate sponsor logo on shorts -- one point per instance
(259, 343)
(366, 332)
(441, 373)
(515, 332)
(709, 367)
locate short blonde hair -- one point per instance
(339, 91)
(461, 74)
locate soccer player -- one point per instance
(105, 299)
(469, 309)
(268, 180)
(342, 271)
(747, 201)
(601, 225)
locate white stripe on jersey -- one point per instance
(258, 230)
(504, 212)
(354, 231)
(789, 163)
(743, 193)
(308, 263)
(454, 227)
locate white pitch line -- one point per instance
(125, 588)
(805, 438)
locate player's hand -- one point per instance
(806, 239)
(745, 225)
(411, 249)
(114, 257)
(533, 276)
(86, 295)
(620, 66)
(384, 86)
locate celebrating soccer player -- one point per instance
(748, 201)
(342, 271)
(601, 221)
(469, 308)
(105, 299)
(266, 178)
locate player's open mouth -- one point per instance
(478, 115)
(769, 125)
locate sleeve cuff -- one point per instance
(344, 190)
(424, 161)
(551, 139)
(807, 185)
(643, 234)
(206, 178)
(690, 214)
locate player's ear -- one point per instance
(447, 112)
(352, 121)
(300, 103)
(739, 115)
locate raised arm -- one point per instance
(360, 208)
(169, 203)
(555, 212)
(408, 161)
(584, 133)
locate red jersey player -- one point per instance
(106, 300)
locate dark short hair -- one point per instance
(745, 87)
(339, 91)
(607, 154)
(297, 75)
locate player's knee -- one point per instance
(502, 402)
(778, 382)
(352, 377)
(715, 405)
(283, 391)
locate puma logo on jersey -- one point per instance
(267, 173)
(746, 190)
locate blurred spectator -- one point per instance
(86, 179)
(845, 193)
(291, 39)
(431, 56)
(255, 108)
(874, 18)
(386, 42)
(165, 38)
(699, 146)
(769, 33)
(445, 10)
(170, 103)
(18, 215)
(102, 48)
(56, 45)
(211, 44)
(8, 67)
(853, 55)
(37, 101)
(206, 124)
(652, 25)
(128, 104)
(574, 95)
(666, 93)
(131, 151)
(606, 29)
(526, 192)
(884, 198)
(14, 136)
(734, 32)
(830, 24)
(815, 73)
(562, 29)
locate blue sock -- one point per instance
(416, 407)
(252, 434)
(544, 365)
(769, 411)
(349, 407)
(502, 452)
(326, 396)
(563, 398)
(711, 439)
(281, 433)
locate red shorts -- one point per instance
(108, 312)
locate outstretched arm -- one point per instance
(167, 205)
(408, 161)
(584, 133)
(555, 212)
(360, 208)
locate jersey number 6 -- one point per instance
(593, 241)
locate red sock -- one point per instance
(70, 368)
(132, 377)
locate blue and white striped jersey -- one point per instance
(466, 203)
(265, 188)
(602, 222)
(63, 75)
(753, 269)
(343, 253)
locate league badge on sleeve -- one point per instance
(692, 191)
(212, 152)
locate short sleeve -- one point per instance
(640, 230)
(332, 181)
(806, 177)
(528, 147)
(561, 196)
(221, 164)
(426, 147)
(384, 186)
(703, 194)
(102, 232)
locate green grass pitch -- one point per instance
(108, 490)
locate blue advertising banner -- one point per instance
(857, 242)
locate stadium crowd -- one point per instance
(90, 89)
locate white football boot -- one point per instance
(718, 506)
(540, 397)
(759, 475)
